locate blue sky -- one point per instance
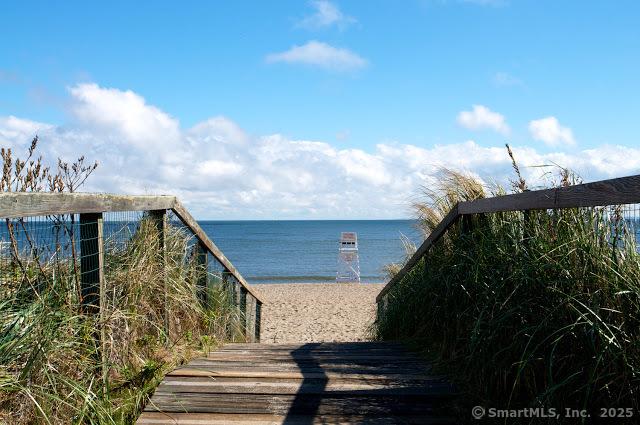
(557, 79)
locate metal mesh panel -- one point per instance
(120, 229)
(39, 251)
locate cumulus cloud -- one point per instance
(549, 131)
(222, 172)
(482, 117)
(323, 55)
(326, 14)
(123, 113)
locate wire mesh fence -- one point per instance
(145, 273)
(95, 307)
(40, 252)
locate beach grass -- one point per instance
(526, 309)
(54, 365)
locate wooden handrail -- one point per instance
(192, 224)
(30, 204)
(623, 190)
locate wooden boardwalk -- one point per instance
(353, 382)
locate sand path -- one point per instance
(317, 312)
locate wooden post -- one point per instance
(159, 217)
(251, 330)
(92, 283)
(91, 261)
(243, 309)
(227, 285)
(202, 267)
(257, 321)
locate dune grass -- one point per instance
(537, 308)
(55, 368)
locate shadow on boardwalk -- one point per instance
(358, 382)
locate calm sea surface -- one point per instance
(307, 251)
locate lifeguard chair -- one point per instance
(348, 261)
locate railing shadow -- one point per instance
(308, 399)
(402, 392)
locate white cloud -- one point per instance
(549, 131)
(16, 129)
(316, 53)
(222, 172)
(123, 113)
(482, 117)
(326, 14)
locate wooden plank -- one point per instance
(202, 371)
(311, 367)
(624, 190)
(318, 351)
(312, 358)
(315, 345)
(157, 418)
(357, 388)
(392, 381)
(192, 224)
(300, 362)
(383, 404)
(437, 233)
(42, 204)
(208, 385)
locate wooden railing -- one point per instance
(624, 190)
(90, 208)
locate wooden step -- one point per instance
(156, 418)
(355, 382)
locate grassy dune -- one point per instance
(54, 367)
(526, 309)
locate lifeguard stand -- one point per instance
(348, 261)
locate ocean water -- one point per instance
(307, 251)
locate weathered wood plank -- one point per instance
(366, 405)
(157, 418)
(624, 190)
(199, 371)
(40, 204)
(200, 234)
(318, 358)
(307, 362)
(207, 385)
(367, 345)
(358, 387)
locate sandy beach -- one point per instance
(317, 312)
